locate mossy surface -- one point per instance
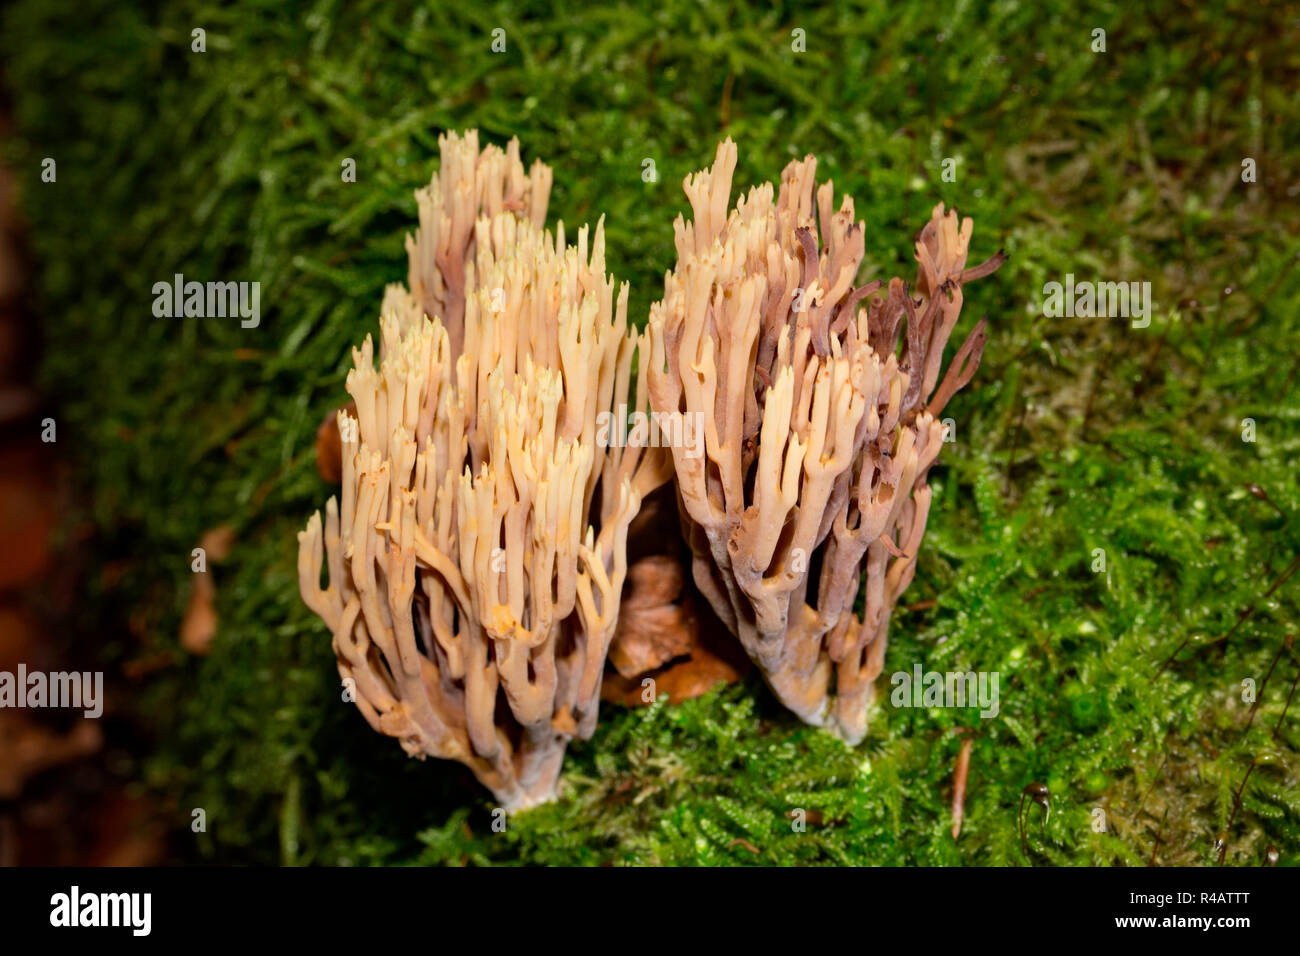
(1078, 434)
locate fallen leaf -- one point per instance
(666, 631)
(218, 542)
(714, 657)
(652, 628)
(27, 748)
(199, 627)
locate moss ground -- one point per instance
(1081, 434)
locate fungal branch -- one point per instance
(478, 553)
(820, 428)
(470, 185)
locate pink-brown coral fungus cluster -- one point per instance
(478, 553)
(819, 430)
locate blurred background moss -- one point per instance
(1078, 434)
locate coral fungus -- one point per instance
(478, 553)
(819, 429)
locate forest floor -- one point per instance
(1115, 530)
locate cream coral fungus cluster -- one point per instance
(478, 552)
(819, 430)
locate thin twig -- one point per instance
(959, 785)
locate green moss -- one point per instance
(1080, 434)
